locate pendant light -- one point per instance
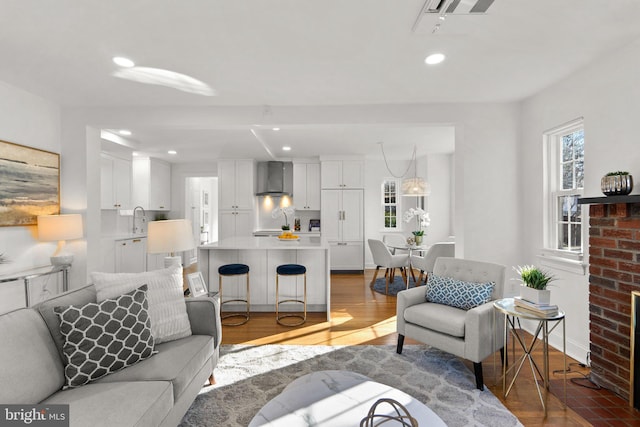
(411, 187)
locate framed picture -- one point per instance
(196, 284)
(29, 184)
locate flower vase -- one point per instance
(418, 240)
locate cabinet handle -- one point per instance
(161, 207)
(136, 241)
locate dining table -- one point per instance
(410, 249)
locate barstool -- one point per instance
(230, 270)
(291, 270)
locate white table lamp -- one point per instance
(60, 228)
(170, 236)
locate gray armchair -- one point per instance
(470, 334)
(425, 263)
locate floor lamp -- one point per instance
(170, 236)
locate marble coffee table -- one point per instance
(336, 398)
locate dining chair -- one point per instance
(425, 263)
(382, 257)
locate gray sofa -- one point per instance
(154, 392)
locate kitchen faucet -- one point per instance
(134, 219)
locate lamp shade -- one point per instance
(174, 235)
(53, 228)
(415, 187)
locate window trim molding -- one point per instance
(398, 228)
(550, 256)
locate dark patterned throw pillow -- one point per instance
(456, 293)
(102, 338)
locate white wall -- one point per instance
(32, 121)
(607, 95)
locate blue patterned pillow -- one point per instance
(456, 293)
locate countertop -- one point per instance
(123, 236)
(305, 242)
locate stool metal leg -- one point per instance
(244, 316)
(302, 317)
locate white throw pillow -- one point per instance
(167, 308)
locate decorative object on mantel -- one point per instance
(422, 220)
(534, 284)
(616, 183)
(284, 211)
(30, 184)
(60, 228)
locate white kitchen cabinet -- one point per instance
(342, 174)
(342, 219)
(131, 255)
(115, 182)
(152, 184)
(306, 186)
(235, 198)
(235, 223)
(236, 184)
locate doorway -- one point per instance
(201, 208)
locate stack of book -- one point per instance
(543, 310)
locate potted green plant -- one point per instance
(616, 183)
(534, 284)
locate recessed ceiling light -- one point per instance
(275, 128)
(135, 154)
(434, 58)
(172, 152)
(286, 148)
(124, 132)
(123, 62)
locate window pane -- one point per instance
(563, 236)
(576, 216)
(578, 144)
(570, 209)
(576, 237)
(567, 148)
(567, 176)
(579, 174)
(563, 209)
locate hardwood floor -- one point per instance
(361, 316)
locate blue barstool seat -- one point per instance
(291, 270)
(230, 270)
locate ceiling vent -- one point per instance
(438, 10)
(457, 7)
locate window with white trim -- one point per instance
(565, 166)
(390, 204)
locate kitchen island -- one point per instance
(263, 255)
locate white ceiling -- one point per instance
(301, 52)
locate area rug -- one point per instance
(249, 376)
(396, 286)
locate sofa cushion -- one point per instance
(29, 360)
(79, 296)
(144, 403)
(167, 309)
(438, 317)
(176, 361)
(105, 337)
(457, 293)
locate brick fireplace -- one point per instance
(614, 272)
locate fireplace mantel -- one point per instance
(607, 200)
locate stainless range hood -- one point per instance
(275, 179)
